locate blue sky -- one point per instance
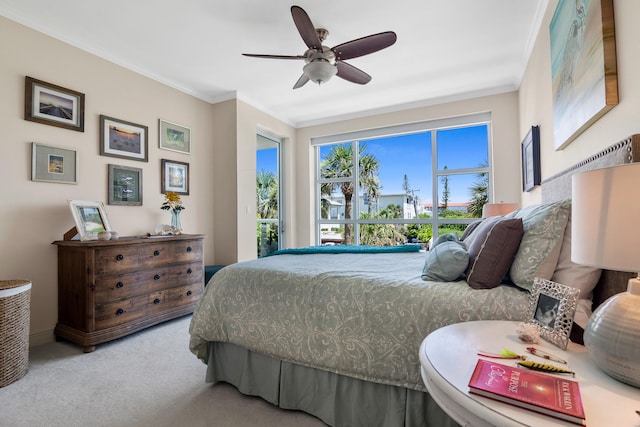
(411, 155)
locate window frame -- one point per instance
(358, 137)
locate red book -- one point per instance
(536, 391)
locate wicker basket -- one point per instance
(15, 296)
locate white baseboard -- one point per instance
(39, 338)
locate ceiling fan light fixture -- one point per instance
(320, 70)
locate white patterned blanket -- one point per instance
(360, 315)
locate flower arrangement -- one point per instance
(172, 202)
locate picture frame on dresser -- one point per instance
(531, 159)
(125, 185)
(174, 176)
(123, 139)
(174, 137)
(54, 164)
(90, 218)
(53, 105)
(552, 307)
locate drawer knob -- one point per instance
(119, 257)
(119, 285)
(156, 301)
(156, 277)
(156, 252)
(189, 293)
(119, 311)
(189, 249)
(189, 271)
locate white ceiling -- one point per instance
(446, 49)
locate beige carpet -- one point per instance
(147, 379)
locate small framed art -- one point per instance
(53, 164)
(90, 218)
(53, 105)
(531, 159)
(175, 176)
(126, 140)
(552, 307)
(174, 137)
(125, 186)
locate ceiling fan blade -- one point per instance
(301, 81)
(256, 55)
(305, 27)
(364, 46)
(352, 74)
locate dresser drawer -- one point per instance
(114, 260)
(116, 313)
(110, 288)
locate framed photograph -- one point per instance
(90, 218)
(174, 137)
(531, 159)
(175, 176)
(53, 164)
(125, 186)
(119, 138)
(53, 105)
(552, 307)
(583, 66)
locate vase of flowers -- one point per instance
(173, 203)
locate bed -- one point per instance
(337, 334)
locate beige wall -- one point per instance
(505, 150)
(34, 214)
(535, 103)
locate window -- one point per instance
(268, 194)
(404, 184)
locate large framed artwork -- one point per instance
(53, 105)
(583, 66)
(126, 140)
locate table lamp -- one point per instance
(498, 209)
(605, 231)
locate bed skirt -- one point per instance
(338, 400)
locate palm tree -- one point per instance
(479, 193)
(339, 164)
(267, 197)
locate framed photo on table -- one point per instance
(54, 164)
(53, 105)
(531, 159)
(90, 218)
(126, 140)
(125, 186)
(174, 137)
(175, 177)
(552, 307)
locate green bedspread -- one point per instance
(360, 315)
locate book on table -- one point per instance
(537, 391)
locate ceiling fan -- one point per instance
(322, 62)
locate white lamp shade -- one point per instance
(605, 214)
(604, 233)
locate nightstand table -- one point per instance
(449, 355)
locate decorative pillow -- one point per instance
(445, 262)
(544, 227)
(449, 237)
(571, 274)
(469, 230)
(495, 244)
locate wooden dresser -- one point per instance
(112, 288)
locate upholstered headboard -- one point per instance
(558, 187)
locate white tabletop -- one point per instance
(449, 355)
